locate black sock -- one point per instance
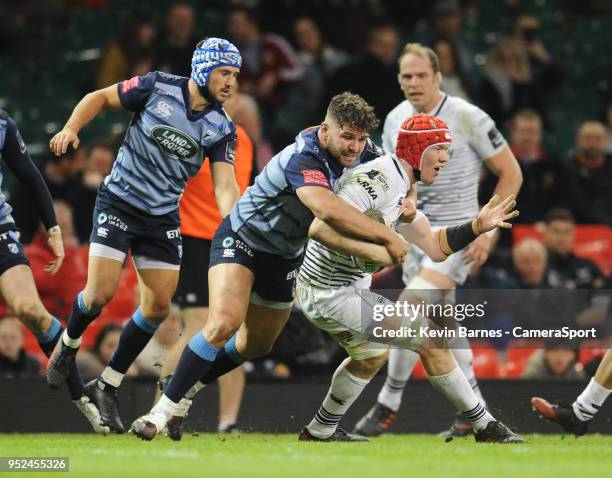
(195, 362)
(47, 342)
(227, 360)
(134, 337)
(81, 317)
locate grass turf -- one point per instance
(256, 455)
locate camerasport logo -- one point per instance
(174, 142)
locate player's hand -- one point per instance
(496, 213)
(409, 211)
(56, 245)
(478, 251)
(397, 247)
(60, 142)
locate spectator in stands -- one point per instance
(320, 59)
(585, 183)
(270, 66)
(609, 129)
(447, 24)
(15, 362)
(98, 164)
(92, 363)
(453, 82)
(545, 72)
(539, 171)
(507, 84)
(529, 258)
(555, 361)
(565, 269)
(58, 291)
(61, 174)
(374, 74)
(131, 54)
(175, 46)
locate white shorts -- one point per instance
(347, 313)
(452, 267)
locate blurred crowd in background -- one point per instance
(539, 68)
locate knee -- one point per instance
(32, 314)
(95, 300)
(220, 328)
(156, 312)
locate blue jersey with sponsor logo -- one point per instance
(269, 216)
(5, 207)
(166, 142)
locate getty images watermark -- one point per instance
(574, 317)
(459, 312)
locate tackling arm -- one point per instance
(326, 235)
(348, 221)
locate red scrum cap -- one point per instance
(417, 134)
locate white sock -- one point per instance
(590, 401)
(462, 350)
(112, 377)
(399, 368)
(163, 410)
(344, 390)
(183, 408)
(457, 389)
(68, 342)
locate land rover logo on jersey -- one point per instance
(174, 142)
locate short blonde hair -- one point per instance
(422, 52)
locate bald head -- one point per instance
(529, 257)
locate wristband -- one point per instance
(54, 230)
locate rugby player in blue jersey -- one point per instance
(16, 282)
(176, 123)
(256, 251)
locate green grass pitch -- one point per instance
(256, 455)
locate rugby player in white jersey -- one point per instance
(452, 200)
(332, 286)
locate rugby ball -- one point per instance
(365, 265)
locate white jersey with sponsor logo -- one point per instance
(380, 186)
(453, 198)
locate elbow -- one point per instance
(314, 232)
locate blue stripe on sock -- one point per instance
(232, 352)
(50, 334)
(200, 346)
(143, 323)
(91, 312)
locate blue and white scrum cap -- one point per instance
(210, 54)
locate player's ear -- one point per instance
(324, 128)
(438, 77)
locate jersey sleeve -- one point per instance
(135, 92)
(304, 170)
(18, 160)
(224, 151)
(483, 135)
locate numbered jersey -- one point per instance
(166, 142)
(453, 198)
(377, 188)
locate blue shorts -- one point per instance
(11, 250)
(155, 241)
(274, 275)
